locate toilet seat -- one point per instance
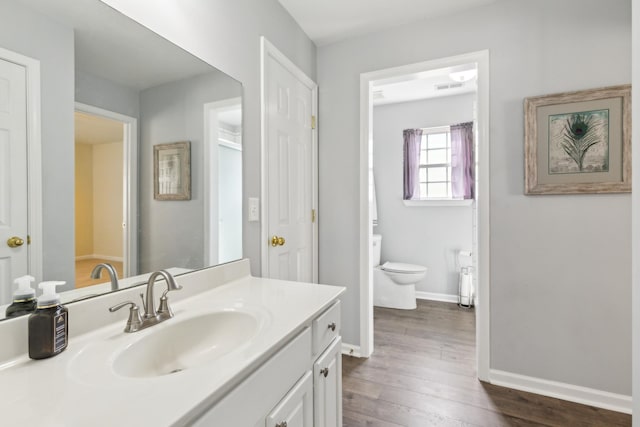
(400, 267)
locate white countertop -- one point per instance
(67, 391)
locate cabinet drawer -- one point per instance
(325, 328)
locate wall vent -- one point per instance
(378, 94)
(446, 86)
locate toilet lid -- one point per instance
(399, 267)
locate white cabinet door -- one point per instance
(327, 387)
(295, 409)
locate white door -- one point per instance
(290, 164)
(13, 176)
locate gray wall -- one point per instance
(33, 35)
(560, 265)
(105, 94)
(227, 35)
(428, 236)
(172, 232)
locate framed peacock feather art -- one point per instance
(578, 142)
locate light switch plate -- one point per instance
(254, 209)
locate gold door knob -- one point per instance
(14, 242)
(277, 241)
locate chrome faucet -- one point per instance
(151, 316)
(164, 312)
(97, 272)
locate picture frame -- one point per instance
(578, 142)
(172, 171)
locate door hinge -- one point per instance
(313, 122)
(313, 215)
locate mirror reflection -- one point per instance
(110, 92)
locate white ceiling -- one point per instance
(114, 47)
(329, 21)
(90, 129)
(232, 116)
(423, 85)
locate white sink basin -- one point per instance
(183, 344)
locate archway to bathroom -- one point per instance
(429, 97)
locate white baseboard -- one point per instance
(98, 256)
(351, 350)
(558, 390)
(437, 297)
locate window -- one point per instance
(439, 166)
(435, 164)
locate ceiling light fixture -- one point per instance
(464, 75)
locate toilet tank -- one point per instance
(377, 246)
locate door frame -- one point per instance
(34, 160)
(129, 183)
(481, 245)
(211, 216)
(269, 50)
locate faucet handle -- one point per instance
(164, 311)
(134, 323)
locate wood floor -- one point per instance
(422, 373)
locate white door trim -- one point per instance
(130, 183)
(34, 159)
(210, 252)
(481, 244)
(269, 50)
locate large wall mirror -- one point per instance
(110, 91)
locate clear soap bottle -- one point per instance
(24, 298)
(49, 324)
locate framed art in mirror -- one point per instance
(578, 142)
(172, 171)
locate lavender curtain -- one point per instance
(412, 139)
(462, 161)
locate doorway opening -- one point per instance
(375, 86)
(105, 193)
(223, 181)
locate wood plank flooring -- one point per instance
(422, 373)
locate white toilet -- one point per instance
(394, 283)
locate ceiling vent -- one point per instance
(378, 94)
(446, 86)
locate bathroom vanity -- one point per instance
(239, 351)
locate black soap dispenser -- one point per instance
(49, 324)
(24, 298)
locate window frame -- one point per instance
(437, 201)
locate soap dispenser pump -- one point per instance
(24, 298)
(48, 325)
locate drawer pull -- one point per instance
(325, 372)
(332, 326)
(282, 424)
